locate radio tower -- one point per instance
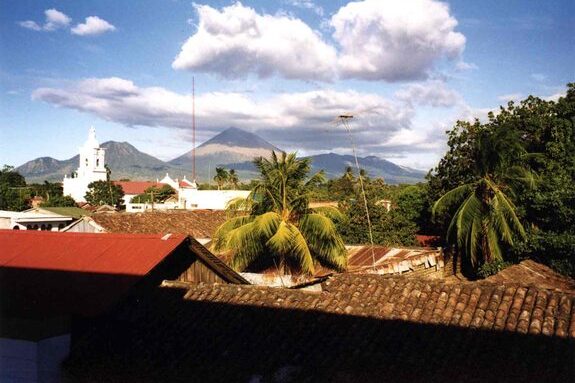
(193, 129)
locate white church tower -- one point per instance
(91, 169)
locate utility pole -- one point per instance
(194, 128)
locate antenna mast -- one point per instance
(344, 119)
(193, 129)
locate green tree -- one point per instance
(104, 193)
(233, 179)
(278, 226)
(221, 177)
(13, 192)
(59, 201)
(542, 127)
(486, 217)
(155, 194)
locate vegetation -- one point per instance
(221, 177)
(486, 218)
(275, 226)
(105, 192)
(547, 209)
(13, 193)
(155, 194)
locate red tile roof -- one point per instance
(137, 187)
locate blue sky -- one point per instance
(406, 69)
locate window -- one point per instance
(86, 162)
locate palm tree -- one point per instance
(277, 226)
(221, 177)
(486, 217)
(233, 178)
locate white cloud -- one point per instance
(434, 93)
(510, 97)
(394, 40)
(237, 41)
(391, 40)
(54, 20)
(306, 4)
(303, 120)
(93, 26)
(29, 24)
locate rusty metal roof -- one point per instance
(134, 254)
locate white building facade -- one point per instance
(91, 168)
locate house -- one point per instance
(53, 284)
(34, 219)
(357, 328)
(199, 224)
(91, 168)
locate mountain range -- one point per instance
(232, 148)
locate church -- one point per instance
(91, 168)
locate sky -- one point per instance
(407, 70)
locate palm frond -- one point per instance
(451, 198)
(301, 251)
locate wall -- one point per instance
(210, 199)
(27, 361)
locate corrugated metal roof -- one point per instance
(129, 254)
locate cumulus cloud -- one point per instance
(434, 93)
(394, 40)
(237, 41)
(391, 40)
(93, 26)
(302, 120)
(54, 20)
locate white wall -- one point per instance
(210, 199)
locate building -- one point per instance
(356, 328)
(34, 219)
(91, 168)
(54, 284)
(188, 197)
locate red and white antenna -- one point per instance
(193, 129)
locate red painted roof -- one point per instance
(44, 274)
(137, 187)
(130, 254)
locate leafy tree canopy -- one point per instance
(275, 225)
(13, 192)
(104, 193)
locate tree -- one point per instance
(542, 127)
(221, 177)
(233, 179)
(13, 192)
(104, 193)
(155, 194)
(59, 201)
(279, 228)
(486, 217)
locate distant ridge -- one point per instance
(232, 148)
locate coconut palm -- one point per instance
(221, 177)
(275, 225)
(486, 218)
(233, 178)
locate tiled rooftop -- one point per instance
(359, 328)
(196, 223)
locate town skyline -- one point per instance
(282, 70)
